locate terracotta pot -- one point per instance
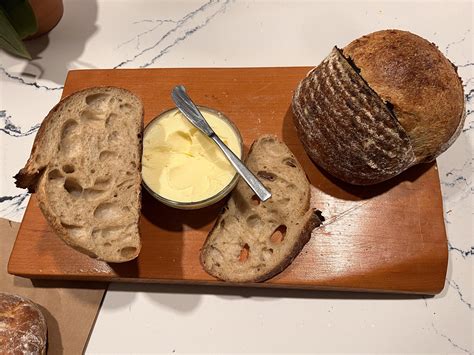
(48, 13)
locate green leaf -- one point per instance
(21, 16)
(9, 38)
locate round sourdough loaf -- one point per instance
(385, 102)
(22, 326)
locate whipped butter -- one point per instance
(182, 164)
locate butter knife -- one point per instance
(191, 112)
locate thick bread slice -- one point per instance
(346, 128)
(85, 168)
(252, 240)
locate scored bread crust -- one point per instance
(23, 328)
(418, 81)
(290, 196)
(78, 171)
(345, 127)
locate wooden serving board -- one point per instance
(385, 238)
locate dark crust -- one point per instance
(25, 180)
(346, 128)
(305, 236)
(29, 176)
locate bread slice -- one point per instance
(252, 240)
(85, 169)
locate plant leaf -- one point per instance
(21, 16)
(9, 38)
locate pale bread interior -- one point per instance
(89, 153)
(254, 240)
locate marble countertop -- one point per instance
(141, 33)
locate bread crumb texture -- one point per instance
(88, 158)
(254, 240)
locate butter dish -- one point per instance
(182, 167)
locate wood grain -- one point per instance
(384, 238)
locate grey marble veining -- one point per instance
(207, 33)
(8, 127)
(180, 31)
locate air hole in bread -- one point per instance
(112, 232)
(92, 171)
(107, 244)
(253, 220)
(102, 182)
(106, 155)
(93, 194)
(266, 175)
(291, 186)
(290, 162)
(96, 99)
(133, 164)
(70, 146)
(244, 253)
(128, 252)
(69, 128)
(268, 140)
(254, 200)
(279, 234)
(125, 106)
(69, 226)
(107, 211)
(68, 168)
(111, 120)
(55, 174)
(73, 187)
(98, 102)
(88, 115)
(124, 182)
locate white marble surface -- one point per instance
(140, 33)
